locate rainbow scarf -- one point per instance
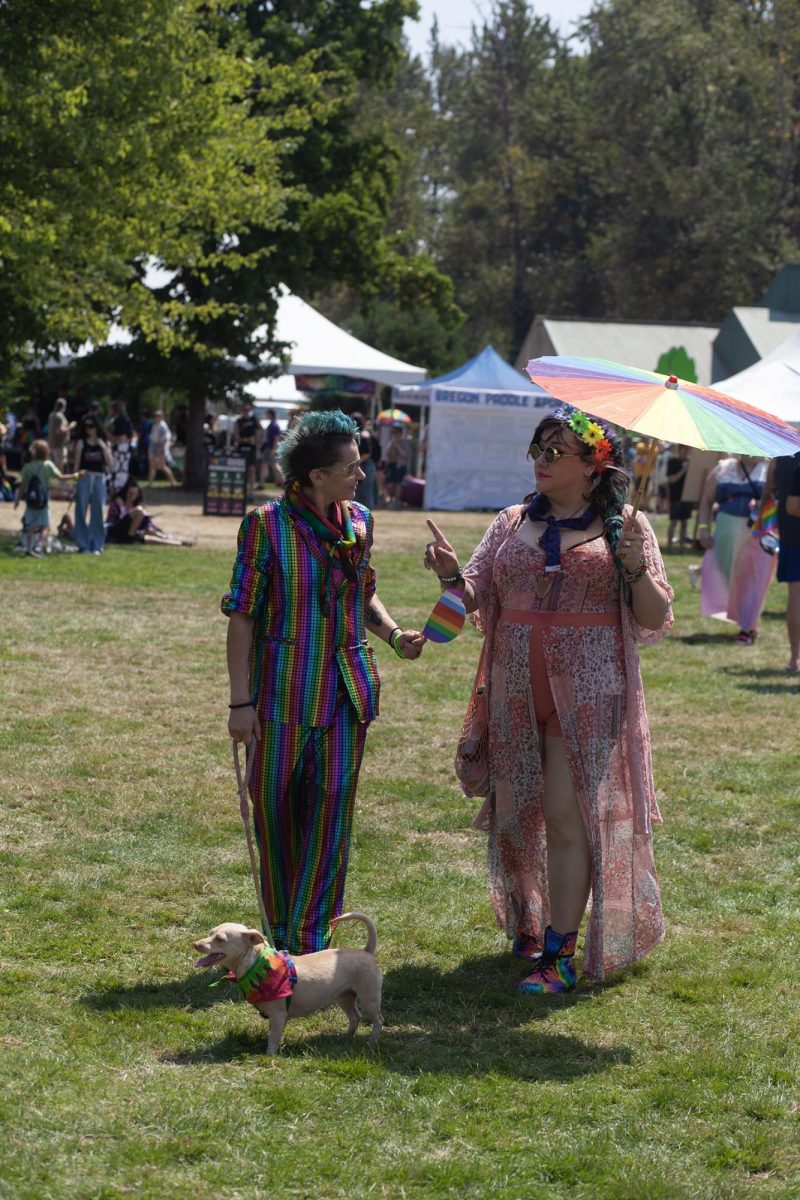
(338, 534)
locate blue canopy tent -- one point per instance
(481, 418)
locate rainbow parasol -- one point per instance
(393, 416)
(665, 409)
(448, 616)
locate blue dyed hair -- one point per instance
(315, 440)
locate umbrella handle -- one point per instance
(652, 454)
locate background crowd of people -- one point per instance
(104, 455)
(743, 514)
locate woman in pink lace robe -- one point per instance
(564, 588)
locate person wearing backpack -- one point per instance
(34, 489)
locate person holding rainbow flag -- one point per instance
(303, 680)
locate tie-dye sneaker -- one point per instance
(555, 971)
(526, 946)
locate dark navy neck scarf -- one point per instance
(550, 541)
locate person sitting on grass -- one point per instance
(128, 522)
(34, 489)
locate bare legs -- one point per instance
(158, 462)
(569, 864)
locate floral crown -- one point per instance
(595, 435)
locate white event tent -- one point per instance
(482, 416)
(319, 347)
(772, 384)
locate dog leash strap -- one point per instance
(244, 808)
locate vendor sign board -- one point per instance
(226, 486)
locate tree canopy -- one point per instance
(649, 169)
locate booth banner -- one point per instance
(334, 385)
(477, 450)
(491, 400)
(226, 486)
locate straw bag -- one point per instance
(472, 753)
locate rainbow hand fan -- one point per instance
(447, 619)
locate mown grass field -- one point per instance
(124, 1075)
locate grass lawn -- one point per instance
(124, 1075)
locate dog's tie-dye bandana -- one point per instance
(271, 977)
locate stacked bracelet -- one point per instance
(632, 576)
(396, 632)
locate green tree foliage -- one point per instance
(696, 107)
(650, 171)
(126, 135)
(338, 170)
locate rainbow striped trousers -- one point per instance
(303, 788)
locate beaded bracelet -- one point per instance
(450, 578)
(393, 643)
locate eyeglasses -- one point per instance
(348, 471)
(549, 453)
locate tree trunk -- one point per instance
(194, 471)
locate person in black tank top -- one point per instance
(93, 456)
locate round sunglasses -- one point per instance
(549, 453)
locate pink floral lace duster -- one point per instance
(597, 687)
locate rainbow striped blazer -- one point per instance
(300, 657)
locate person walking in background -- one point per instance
(120, 433)
(93, 461)
(367, 490)
(565, 585)
(679, 510)
(246, 438)
(34, 488)
(142, 456)
(304, 682)
(58, 430)
(269, 469)
(730, 500)
(159, 449)
(787, 482)
(397, 459)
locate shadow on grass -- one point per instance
(450, 1050)
(782, 683)
(193, 991)
(463, 1022)
(706, 639)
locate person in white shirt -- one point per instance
(158, 453)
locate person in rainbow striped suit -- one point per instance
(304, 682)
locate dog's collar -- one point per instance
(271, 976)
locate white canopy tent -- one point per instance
(482, 417)
(772, 384)
(319, 347)
(276, 389)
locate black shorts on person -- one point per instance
(680, 510)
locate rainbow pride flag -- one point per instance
(448, 616)
(767, 521)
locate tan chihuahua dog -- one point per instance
(349, 978)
